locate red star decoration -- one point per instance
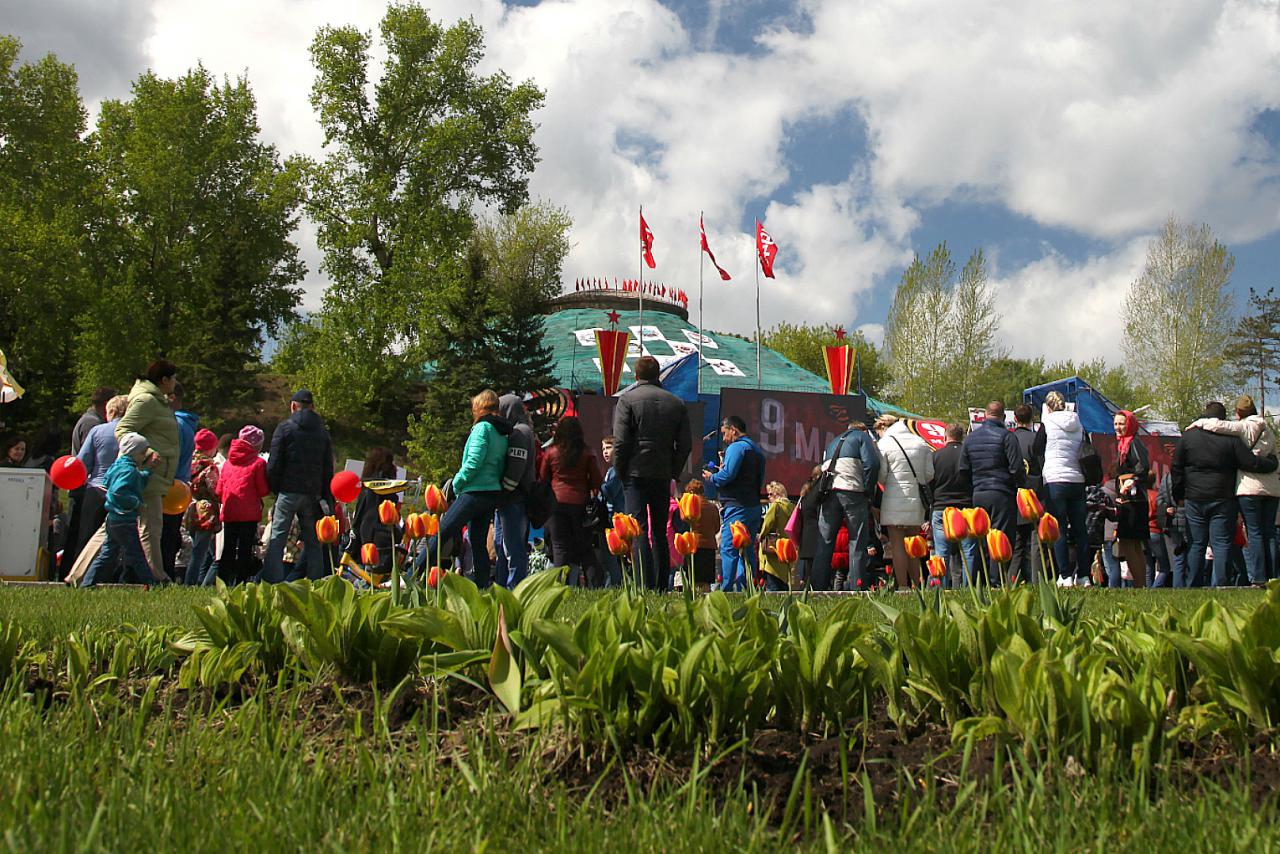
(614, 317)
(840, 333)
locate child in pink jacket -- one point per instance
(242, 485)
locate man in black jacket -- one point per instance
(652, 443)
(953, 488)
(298, 471)
(1204, 482)
(992, 458)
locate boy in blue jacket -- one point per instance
(124, 483)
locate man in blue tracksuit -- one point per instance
(851, 470)
(738, 483)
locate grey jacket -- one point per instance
(522, 445)
(651, 429)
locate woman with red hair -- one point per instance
(1133, 470)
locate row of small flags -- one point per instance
(653, 289)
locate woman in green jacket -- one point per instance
(477, 485)
(150, 415)
(777, 573)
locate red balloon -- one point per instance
(68, 473)
(345, 486)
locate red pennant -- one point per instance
(646, 243)
(766, 249)
(612, 346)
(839, 361)
(724, 275)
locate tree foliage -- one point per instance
(1255, 350)
(802, 343)
(1178, 319)
(409, 156)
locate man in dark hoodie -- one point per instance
(510, 533)
(299, 471)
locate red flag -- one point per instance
(766, 249)
(724, 275)
(646, 243)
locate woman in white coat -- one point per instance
(907, 462)
(1060, 438)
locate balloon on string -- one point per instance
(68, 473)
(345, 486)
(177, 498)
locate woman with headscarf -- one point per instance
(1133, 469)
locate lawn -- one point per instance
(322, 721)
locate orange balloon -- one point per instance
(177, 499)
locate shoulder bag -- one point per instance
(926, 489)
(826, 483)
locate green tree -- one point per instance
(192, 248)
(802, 343)
(1113, 381)
(1255, 350)
(1178, 320)
(1005, 378)
(46, 184)
(408, 158)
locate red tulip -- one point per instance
(388, 512)
(955, 527)
(786, 550)
(369, 554)
(998, 546)
(979, 522)
(937, 566)
(691, 507)
(345, 486)
(327, 529)
(1029, 507)
(628, 527)
(1048, 530)
(618, 544)
(434, 499)
(686, 543)
(68, 473)
(916, 547)
(434, 575)
(741, 536)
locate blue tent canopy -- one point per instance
(1094, 408)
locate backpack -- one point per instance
(539, 503)
(1090, 462)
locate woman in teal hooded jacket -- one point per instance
(478, 485)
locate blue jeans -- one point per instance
(122, 542)
(1159, 562)
(733, 570)
(1111, 564)
(1210, 523)
(1259, 513)
(1066, 502)
(951, 552)
(307, 510)
(649, 499)
(511, 542)
(1178, 560)
(853, 510)
(474, 509)
(201, 549)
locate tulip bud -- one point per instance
(691, 507)
(937, 566)
(388, 512)
(741, 536)
(998, 546)
(430, 524)
(434, 499)
(955, 527)
(1029, 507)
(979, 522)
(686, 543)
(628, 527)
(1048, 530)
(369, 554)
(786, 550)
(327, 529)
(434, 576)
(618, 545)
(916, 547)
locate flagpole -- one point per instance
(640, 292)
(701, 264)
(759, 379)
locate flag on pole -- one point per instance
(646, 243)
(766, 249)
(724, 275)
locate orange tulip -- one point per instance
(430, 524)
(937, 566)
(434, 576)
(691, 507)
(327, 529)
(741, 536)
(1048, 530)
(388, 512)
(979, 522)
(434, 499)
(955, 526)
(1029, 507)
(369, 554)
(916, 547)
(686, 543)
(786, 550)
(628, 527)
(998, 546)
(618, 544)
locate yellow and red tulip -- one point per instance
(434, 576)
(430, 524)
(327, 529)
(916, 547)
(628, 527)
(434, 499)
(1029, 507)
(937, 566)
(618, 544)
(369, 554)
(979, 522)
(741, 536)
(1048, 530)
(955, 526)
(686, 543)
(998, 546)
(388, 512)
(786, 550)
(690, 507)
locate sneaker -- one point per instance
(1066, 581)
(1083, 582)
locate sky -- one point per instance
(1056, 137)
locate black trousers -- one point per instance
(236, 563)
(171, 543)
(649, 500)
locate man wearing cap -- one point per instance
(299, 471)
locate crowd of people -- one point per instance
(1208, 519)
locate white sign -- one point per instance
(725, 368)
(695, 338)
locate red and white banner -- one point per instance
(839, 362)
(766, 249)
(646, 243)
(724, 275)
(612, 346)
